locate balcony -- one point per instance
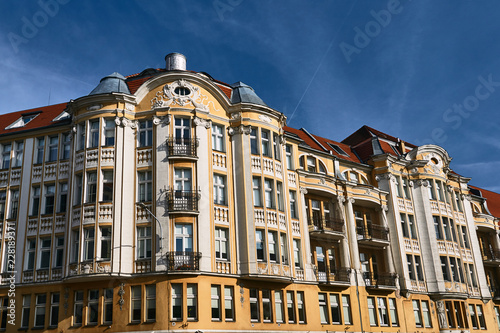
(183, 261)
(339, 275)
(495, 292)
(182, 147)
(380, 280)
(326, 227)
(183, 201)
(373, 234)
(491, 257)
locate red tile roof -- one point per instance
(43, 119)
(366, 132)
(492, 200)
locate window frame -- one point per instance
(218, 138)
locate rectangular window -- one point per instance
(254, 145)
(107, 185)
(272, 246)
(215, 303)
(497, 314)
(265, 143)
(217, 137)
(399, 188)
(480, 316)
(30, 254)
(18, 154)
(323, 311)
(346, 309)
(296, 253)
(289, 159)
(184, 237)
(6, 152)
(105, 243)
(426, 314)
(108, 306)
(229, 303)
(432, 193)
(256, 192)
(3, 197)
(91, 186)
(25, 315)
(40, 145)
(145, 134)
(78, 189)
(472, 275)
(81, 136)
(92, 306)
(182, 180)
(406, 189)
(465, 237)
(293, 205)
(135, 304)
(418, 268)
(372, 312)
(93, 133)
(88, 239)
(109, 132)
(445, 268)
(35, 201)
(44, 261)
(182, 130)
(192, 301)
(278, 306)
(66, 146)
(269, 193)
(63, 197)
(54, 309)
(52, 148)
(283, 249)
(143, 242)
(416, 313)
(145, 179)
(254, 305)
(78, 308)
(50, 192)
(411, 268)
(301, 307)
(382, 311)
(290, 305)
(437, 227)
(260, 243)
(439, 190)
(41, 300)
(404, 226)
(221, 243)
(446, 227)
(279, 193)
(151, 302)
(14, 204)
(176, 301)
(412, 225)
(267, 312)
(458, 201)
(219, 189)
(453, 268)
(335, 309)
(75, 245)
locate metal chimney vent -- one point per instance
(175, 62)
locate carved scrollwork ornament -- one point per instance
(411, 183)
(232, 131)
(235, 115)
(303, 190)
(351, 200)
(120, 122)
(245, 129)
(165, 120)
(341, 198)
(202, 122)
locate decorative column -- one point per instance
(387, 250)
(161, 183)
(308, 267)
(345, 250)
(353, 237)
(204, 206)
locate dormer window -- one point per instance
(24, 120)
(337, 149)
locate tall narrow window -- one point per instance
(382, 311)
(229, 303)
(182, 129)
(105, 243)
(54, 309)
(265, 138)
(465, 237)
(406, 189)
(18, 154)
(35, 201)
(446, 227)
(192, 301)
(109, 132)
(411, 223)
(14, 203)
(215, 302)
(416, 313)
(404, 225)
(41, 300)
(426, 314)
(108, 306)
(279, 194)
(107, 185)
(75, 245)
(40, 145)
(50, 191)
(66, 146)
(81, 136)
(92, 306)
(3, 197)
(217, 137)
(59, 252)
(52, 148)
(283, 249)
(289, 159)
(480, 316)
(458, 201)
(145, 134)
(277, 146)
(311, 164)
(267, 312)
(44, 261)
(259, 242)
(91, 186)
(473, 318)
(290, 305)
(88, 251)
(497, 314)
(94, 133)
(323, 311)
(25, 315)
(63, 197)
(182, 179)
(151, 302)
(6, 152)
(418, 268)
(145, 186)
(432, 193)
(221, 243)
(437, 227)
(445, 268)
(346, 309)
(301, 307)
(454, 269)
(272, 246)
(269, 193)
(372, 314)
(176, 301)
(219, 189)
(254, 145)
(335, 309)
(135, 306)
(296, 253)
(293, 205)
(78, 308)
(256, 192)
(254, 305)
(278, 306)
(411, 268)
(184, 237)
(78, 189)
(30, 254)
(143, 242)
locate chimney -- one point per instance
(175, 62)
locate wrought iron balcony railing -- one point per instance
(340, 274)
(491, 255)
(373, 231)
(182, 146)
(328, 224)
(183, 261)
(186, 201)
(380, 279)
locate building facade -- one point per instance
(170, 201)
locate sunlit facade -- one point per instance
(170, 201)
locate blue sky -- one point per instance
(424, 71)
